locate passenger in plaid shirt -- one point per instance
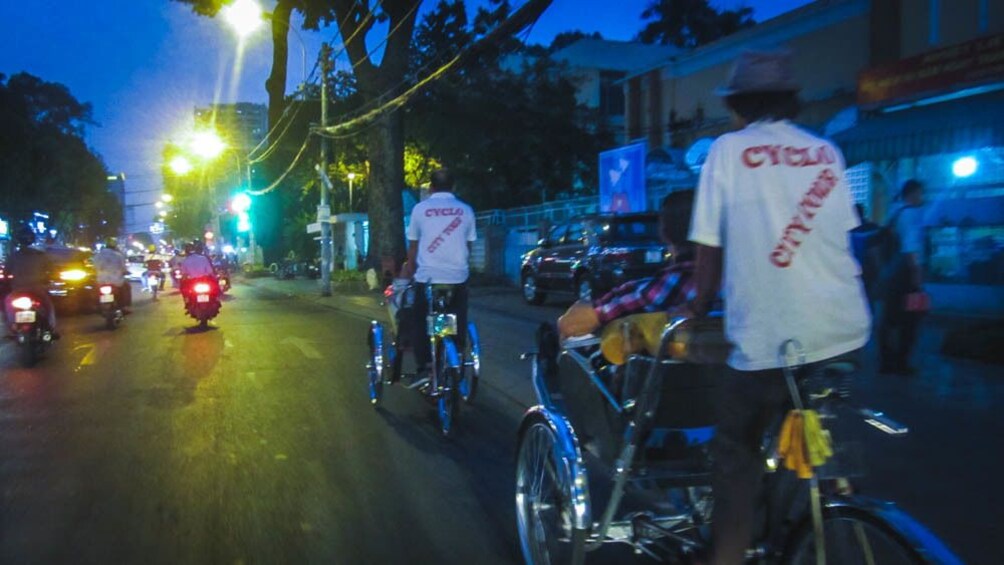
(673, 287)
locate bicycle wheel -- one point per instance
(543, 500)
(851, 537)
(375, 365)
(472, 365)
(447, 378)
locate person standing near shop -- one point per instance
(771, 221)
(865, 241)
(902, 276)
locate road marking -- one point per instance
(306, 349)
(90, 357)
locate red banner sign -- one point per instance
(969, 64)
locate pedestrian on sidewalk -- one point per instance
(901, 278)
(865, 240)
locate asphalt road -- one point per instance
(254, 442)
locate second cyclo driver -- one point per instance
(439, 240)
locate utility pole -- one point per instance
(324, 210)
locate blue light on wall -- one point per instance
(965, 167)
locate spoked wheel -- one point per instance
(375, 365)
(448, 399)
(851, 538)
(471, 372)
(543, 501)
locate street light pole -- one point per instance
(324, 210)
(352, 177)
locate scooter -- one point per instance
(31, 328)
(155, 281)
(108, 306)
(202, 299)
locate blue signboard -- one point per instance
(622, 179)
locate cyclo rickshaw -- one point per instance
(620, 455)
(455, 371)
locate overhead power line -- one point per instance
(523, 17)
(311, 80)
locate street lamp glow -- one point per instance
(207, 144)
(965, 167)
(166, 197)
(244, 16)
(352, 176)
(158, 204)
(180, 165)
(162, 213)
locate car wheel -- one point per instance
(584, 288)
(531, 292)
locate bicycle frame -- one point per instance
(642, 529)
(441, 327)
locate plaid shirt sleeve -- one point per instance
(673, 287)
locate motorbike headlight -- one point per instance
(73, 275)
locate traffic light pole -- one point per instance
(324, 210)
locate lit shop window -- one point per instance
(966, 255)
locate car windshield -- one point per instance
(629, 230)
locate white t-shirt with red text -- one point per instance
(442, 225)
(775, 198)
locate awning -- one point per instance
(949, 127)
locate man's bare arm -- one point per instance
(409, 269)
(707, 277)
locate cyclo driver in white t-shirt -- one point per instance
(773, 210)
(439, 238)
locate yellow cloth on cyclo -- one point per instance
(804, 443)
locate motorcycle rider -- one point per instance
(195, 266)
(153, 265)
(110, 265)
(31, 272)
(773, 209)
(174, 263)
(439, 240)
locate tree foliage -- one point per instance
(690, 23)
(47, 166)
(508, 124)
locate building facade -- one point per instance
(598, 66)
(907, 88)
(931, 107)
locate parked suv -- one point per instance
(591, 255)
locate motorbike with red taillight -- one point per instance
(30, 327)
(109, 306)
(202, 299)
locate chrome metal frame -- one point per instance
(642, 530)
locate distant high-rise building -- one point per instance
(243, 124)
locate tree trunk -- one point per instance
(385, 150)
(276, 83)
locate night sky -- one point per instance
(144, 65)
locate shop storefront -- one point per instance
(939, 118)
